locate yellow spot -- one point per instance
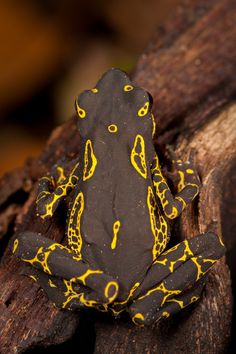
(94, 90)
(143, 110)
(112, 128)
(116, 227)
(15, 245)
(165, 314)
(81, 112)
(138, 152)
(33, 277)
(107, 288)
(51, 284)
(194, 298)
(190, 171)
(138, 316)
(89, 157)
(128, 88)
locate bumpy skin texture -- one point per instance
(118, 226)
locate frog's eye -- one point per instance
(128, 87)
(143, 110)
(80, 111)
(112, 128)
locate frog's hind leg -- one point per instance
(174, 278)
(64, 293)
(59, 261)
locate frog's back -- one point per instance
(116, 126)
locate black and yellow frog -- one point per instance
(118, 225)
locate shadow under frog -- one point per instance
(118, 226)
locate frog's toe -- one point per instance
(102, 285)
(150, 309)
(140, 317)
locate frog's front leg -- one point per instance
(188, 186)
(53, 188)
(173, 281)
(58, 261)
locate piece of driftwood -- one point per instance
(189, 68)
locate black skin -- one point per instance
(118, 227)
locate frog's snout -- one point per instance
(111, 291)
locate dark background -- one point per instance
(51, 50)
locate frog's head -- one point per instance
(114, 106)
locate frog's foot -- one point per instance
(60, 262)
(184, 172)
(173, 281)
(65, 294)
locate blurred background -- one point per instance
(51, 50)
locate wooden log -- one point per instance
(189, 68)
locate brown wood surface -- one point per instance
(189, 68)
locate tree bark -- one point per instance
(189, 68)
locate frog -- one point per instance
(117, 258)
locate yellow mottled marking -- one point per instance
(64, 187)
(15, 245)
(162, 289)
(112, 128)
(116, 228)
(143, 110)
(138, 152)
(83, 277)
(118, 303)
(42, 258)
(94, 90)
(200, 272)
(128, 87)
(153, 209)
(179, 302)
(89, 157)
(81, 112)
(190, 171)
(33, 277)
(73, 232)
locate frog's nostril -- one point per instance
(111, 291)
(112, 128)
